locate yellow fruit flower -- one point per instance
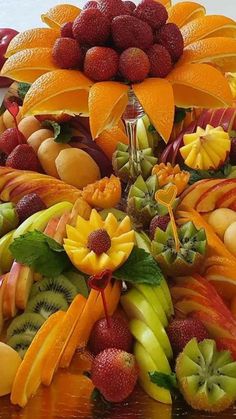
(166, 173)
(232, 83)
(94, 245)
(205, 149)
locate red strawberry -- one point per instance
(111, 8)
(114, 372)
(128, 31)
(180, 332)
(160, 61)
(3, 158)
(66, 53)
(152, 12)
(23, 157)
(160, 221)
(171, 38)
(91, 27)
(29, 205)
(99, 241)
(134, 64)
(91, 5)
(116, 334)
(101, 63)
(10, 139)
(129, 6)
(66, 30)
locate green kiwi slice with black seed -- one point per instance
(59, 284)
(26, 324)
(46, 303)
(20, 343)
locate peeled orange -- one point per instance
(60, 14)
(183, 12)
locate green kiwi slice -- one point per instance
(46, 303)
(26, 324)
(20, 343)
(59, 284)
(79, 282)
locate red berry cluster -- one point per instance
(115, 39)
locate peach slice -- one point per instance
(28, 377)
(207, 200)
(65, 331)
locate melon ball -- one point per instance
(10, 362)
(47, 154)
(220, 220)
(8, 119)
(77, 168)
(38, 137)
(28, 125)
(230, 238)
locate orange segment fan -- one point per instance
(184, 12)
(60, 14)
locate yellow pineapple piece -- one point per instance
(205, 149)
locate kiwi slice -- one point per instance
(206, 377)
(26, 324)
(46, 303)
(79, 282)
(58, 284)
(20, 343)
(188, 259)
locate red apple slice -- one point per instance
(24, 283)
(227, 344)
(227, 199)
(228, 119)
(217, 326)
(9, 303)
(207, 200)
(60, 233)
(193, 194)
(51, 227)
(216, 117)
(206, 118)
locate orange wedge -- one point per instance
(60, 14)
(107, 102)
(208, 26)
(58, 91)
(184, 12)
(200, 85)
(32, 38)
(109, 139)
(28, 377)
(156, 98)
(166, 3)
(218, 51)
(29, 64)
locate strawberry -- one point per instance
(91, 5)
(3, 158)
(160, 61)
(152, 12)
(91, 27)
(114, 372)
(66, 53)
(23, 157)
(29, 205)
(171, 38)
(129, 6)
(128, 31)
(101, 63)
(111, 8)
(10, 139)
(99, 241)
(66, 30)
(160, 221)
(114, 334)
(180, 332)
(134, 64)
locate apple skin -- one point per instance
(60, 232)
(9, 301)
(24, 283)
(51, 226)
(193, 194)
(207, 201)
(6, 35)
(226, 199)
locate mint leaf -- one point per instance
(196, 175)
(140, 268)
(41, 253)
(167, 381)
(151, 128)
(23, 89)
(62, 132)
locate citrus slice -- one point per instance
(157, 100)
(208, 26)
(107, 102)
(29, 64)
(218, 51)
(184, 12)
(109, 139)
(60, 14)
(166, 3)
(32, 38)
(58, 91)
(200, 85)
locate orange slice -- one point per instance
(218, 51)
(28, 377)
(60, 14)
(107, 102)
(208, 26)
(166, 3)
(29, 64)
(184, 12)
(156, 98)
(109, 139)
(32, 38)
(200, 85)
(58, 91)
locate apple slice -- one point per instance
(216, 117)
(191, 195)
(2, 290)
(227, 199)
(56, 210)
(207, 200)
(151, 296)
(9, 302)
(60, 233)
(5, 241)
(23, 286)
(51, 226)
(216, 325)
(204, 118)
(227, 119)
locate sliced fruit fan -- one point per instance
(132, 278)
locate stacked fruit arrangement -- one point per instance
(138, 280)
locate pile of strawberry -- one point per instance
(115, 39)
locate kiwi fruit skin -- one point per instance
(26, 324)
(60, 284)
(20, 343)
(206, 377)
(46, 303)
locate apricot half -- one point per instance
(38, 137)
(10, 362)
(47, 154)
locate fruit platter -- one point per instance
(118, 213)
